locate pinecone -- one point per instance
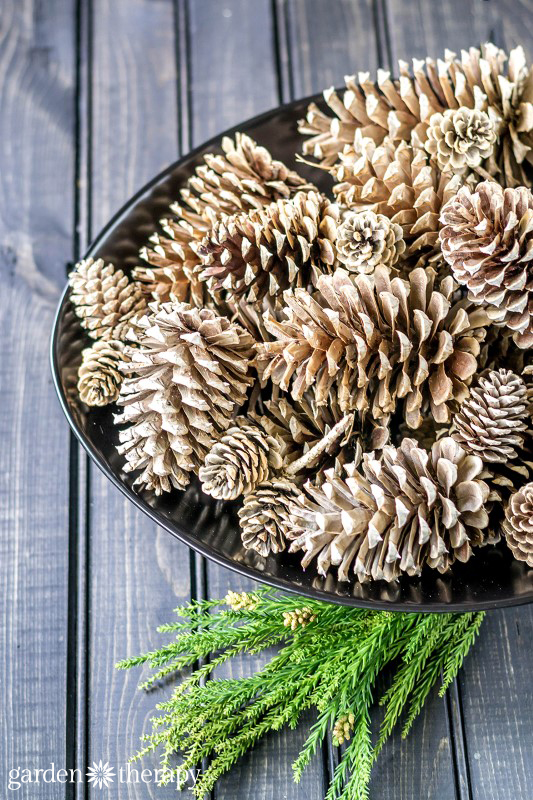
(186, 377)
(411, 507)
(487, 239)
(288, 243)
(366, 239)
(402, 184)
(99, 377)
(264, 516)
(378, 342)
(492, 422)
(461, 139)
(402, 109)
(518, 524)
(243, 178)
(104, 299)
(241, 458)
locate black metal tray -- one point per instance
(491, 579)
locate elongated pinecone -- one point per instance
(99, 377)
(518, 524)
(483, 79)
(487, 239)
(492, 422)
(104, 299)
(188, 374)
(242, 178)
(287, 244)
(242, 457)
(411, 507)
(366, 240)
(461, 138)
(402, 184)
(264, 516)
(379, 342)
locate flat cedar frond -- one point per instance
(329, 658)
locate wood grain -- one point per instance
(37, 106)
(137, 573)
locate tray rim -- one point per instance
(179, 533)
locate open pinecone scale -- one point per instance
(351, 368)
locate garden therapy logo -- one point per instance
(101, 774)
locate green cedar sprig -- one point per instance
(328, 657)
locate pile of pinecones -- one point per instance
(356, 369)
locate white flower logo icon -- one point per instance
(101, 774)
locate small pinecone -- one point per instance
(518, 524)
(492, 422)
(487, 239)
(244, 177)
(186, 377)
(241, 601)
(298, 618)
(240, 459)
(287, 244)
(378, 342)
(460, 139)
(410, 508)
(402, 184)
(264, 516)
(343, 728)
(365, 240)
(104, 299)
(99, 377)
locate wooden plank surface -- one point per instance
(37, 105)
(137, 573)
(492, 700)
(154, 76)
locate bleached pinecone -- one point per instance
(242, 457)
(379, 342)
(518, 524)
(366, 240)
(461, 139)
(401, 183)
(487, 239)
(191, 369)
(242, 178)
(104, 299)
(264, 515)
(411, 507)
(99, 377)
(484, 79)
(492, 422)
(287, 244)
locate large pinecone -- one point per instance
(487, 239)
(379, 342)
(99, 376)
(492, 422)
(243, 178)
(366, 240)
(402, 109)
(287, 244)
(402, 184)
(461, 139)
(186, 377)
(104, 299)
(411, 507)
(518, 524)
(264, 516)
(241, 458)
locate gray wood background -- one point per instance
(95, 98)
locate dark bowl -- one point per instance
(490, 580)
